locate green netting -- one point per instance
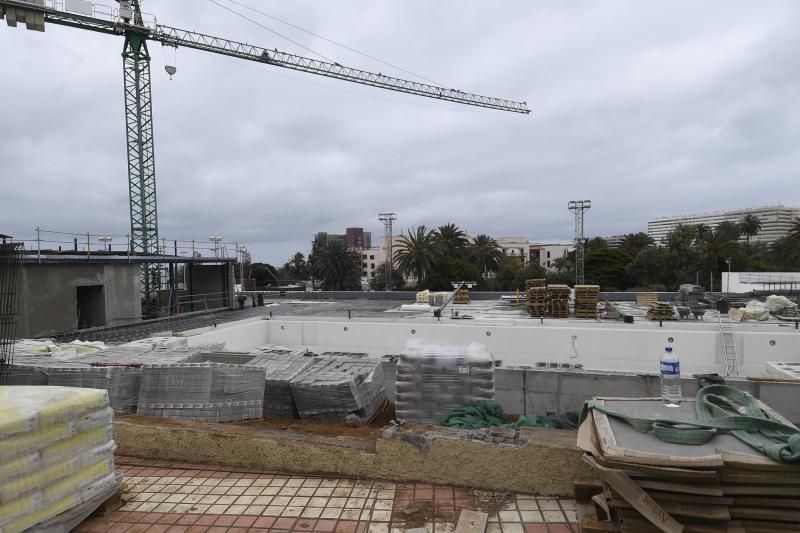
(485, 413)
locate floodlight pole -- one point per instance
(387, 219)
(579, 207)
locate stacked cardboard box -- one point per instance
(650, 485)
(435, 379)
(56, 453)
(558, 297)
(586, 297)
(338, 387)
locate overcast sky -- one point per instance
(646, 108)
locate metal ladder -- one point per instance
(728, 345)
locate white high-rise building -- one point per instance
(776, 221)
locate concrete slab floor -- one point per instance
(181, 497)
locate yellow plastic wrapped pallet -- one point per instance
(26, 408)
(56, 452)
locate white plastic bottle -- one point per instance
(670, 378)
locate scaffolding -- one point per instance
(10, 253)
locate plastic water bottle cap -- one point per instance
(668, 349)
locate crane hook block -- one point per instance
(170, 70)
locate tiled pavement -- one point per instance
(179, 497)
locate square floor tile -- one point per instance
(553, 516)
(311, 512)
(273, 510)
(331, 513)
(548, 505)
(292, 511)
(531, 516)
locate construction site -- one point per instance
(137, 396)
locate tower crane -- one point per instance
(128, 21)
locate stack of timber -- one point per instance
(650, 485)
(536, 300)
(535, 282)
(586, 297)
(661, 311)
(646, 298)
(462, 296)
(558, 296)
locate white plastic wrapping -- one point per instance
(433, 379)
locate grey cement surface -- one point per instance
(356, 308)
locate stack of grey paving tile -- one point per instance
(121, 382)
(209, 392)
(279, 371)
(435, 379)
(338, 388)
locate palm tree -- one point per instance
(681, 237)
(418, 251)
(486, 254)
(452, 240)
(337, 267)
(721, 244)
(750, 226)
(702, 233)
(634, 242)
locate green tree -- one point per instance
(452, 269)
(296, 268)
(681, 238)
(702, 233)
(634, 242)
(486, 254)
(452, 240)
(607, 267)
(750, 225)
(650, 268)
(513, 274)
(264, 274)
(418, 253)
(728, 230)
(378, 283)
(337, 268)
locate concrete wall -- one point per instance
(209, 287)
(48, 296)
(616, 347)
(239, 336)
(549, 392)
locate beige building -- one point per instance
(776, 221)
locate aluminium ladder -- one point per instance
(728, 345)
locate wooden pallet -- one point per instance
(661, 311)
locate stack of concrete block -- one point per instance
(35, 369)
(340, 388)
(435, 379)
(279, 371)
(122, 383)
(210, 392)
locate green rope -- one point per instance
(720, 409)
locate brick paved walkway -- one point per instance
(180, 497)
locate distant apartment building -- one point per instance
(546, 254)
(358, 238)
(613, 241)
(515, 247)
(324, 237)
(776, 221)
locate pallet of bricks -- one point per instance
(56, 456)
(558, 298)
(536, 297)
(586, 297)
(661, 311)
(462, 296)
(742, 482)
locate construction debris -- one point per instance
(435, 379)
(461, 296)
(56, 455)
(709, 482)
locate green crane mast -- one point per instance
(127, 21)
